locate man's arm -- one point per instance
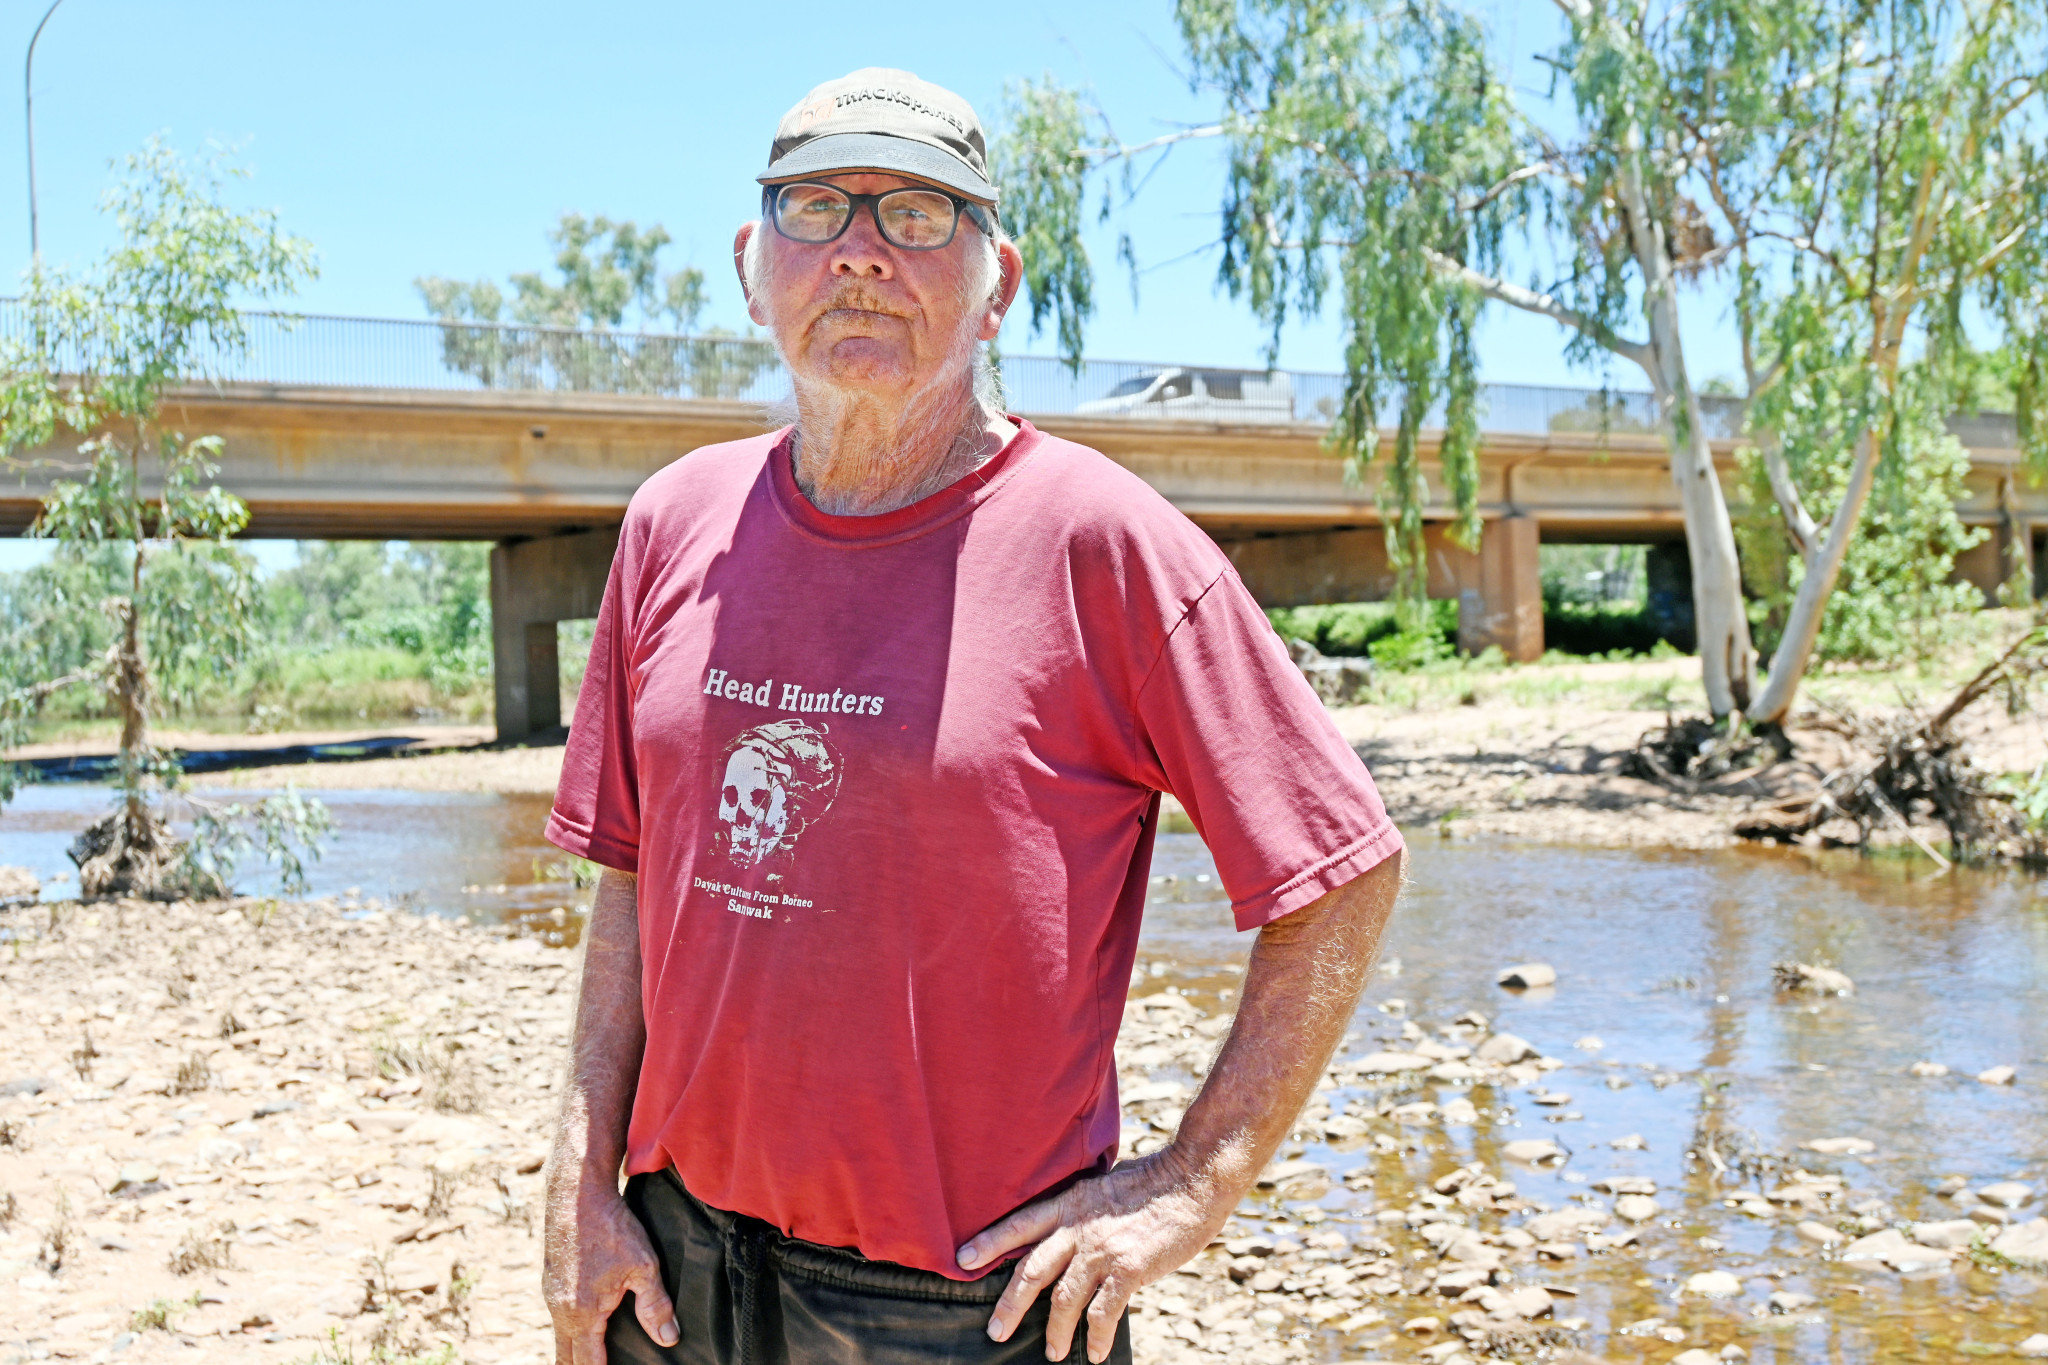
(596, 1250)
(1102, 1239)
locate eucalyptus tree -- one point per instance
(1376, 152)
(87, 364)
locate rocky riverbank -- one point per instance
(280, 1133)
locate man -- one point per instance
(871, 744)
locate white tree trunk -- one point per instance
(1802, 627)
(1727, 662)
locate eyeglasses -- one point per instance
(913, 219)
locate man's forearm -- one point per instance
(1306, 972)
(610, 1036)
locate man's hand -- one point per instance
(1104, 1238)
(1099, 1242)
(597, 1252)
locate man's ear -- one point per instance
(739, 266)
(1010, 273)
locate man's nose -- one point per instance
(860, 250)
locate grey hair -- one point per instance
(985, 283)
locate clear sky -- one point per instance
(445, 136)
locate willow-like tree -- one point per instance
(86, 366)
(1376, 152)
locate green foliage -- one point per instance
(143, 526)
(286, 829)
(608, 275)
(162, 1314)
(1043, 169)
(1352, 629)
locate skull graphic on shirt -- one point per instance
(779, 778)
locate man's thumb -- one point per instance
(651, 1304)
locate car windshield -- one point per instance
(1137, 384)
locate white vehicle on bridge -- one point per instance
(1199, 395)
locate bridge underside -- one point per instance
(549, 476)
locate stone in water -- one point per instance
(1713, 1284)
(1527, 976)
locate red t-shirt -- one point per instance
(889, 785)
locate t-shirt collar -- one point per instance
(955, 499)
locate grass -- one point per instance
(162, 1314)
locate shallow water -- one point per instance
(1663, 958)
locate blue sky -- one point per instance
(445, 137)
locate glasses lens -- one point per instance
(811, 213)
(918, 219)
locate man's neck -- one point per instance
(856, 455)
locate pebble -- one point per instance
(1527, 976)
(1713, 1284)
(1811, 980)
(1533, 1151)
(1637, 1208)
(1504, 1049)
(1841, 1146)
(2009, 1194)
(2034, 1347)
(1791, 1301)
(1928, 1069)
(1696, 1356)
(1998, 1075)
(2024, 1244)
(1952, 1233)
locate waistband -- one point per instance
(747, 1239)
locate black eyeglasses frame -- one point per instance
(771, 203)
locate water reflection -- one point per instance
(1665, 1016)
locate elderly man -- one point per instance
(872, 743)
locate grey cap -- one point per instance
(880, 119)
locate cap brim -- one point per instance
(840, 153)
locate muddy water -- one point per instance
(1669, 1025)
(1665, 1017)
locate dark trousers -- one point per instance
(747, 1295)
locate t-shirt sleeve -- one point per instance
(597, 804)
(1287, 809)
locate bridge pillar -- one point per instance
(1505, 607)
(534, 584)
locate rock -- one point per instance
(1418, 1111)
(1891, 1247)
(1527, 976)
(1953, 1233)
(2007, 1194)
(1504, 1049)
(24, 1085)
(1453, 1072)
(1636, 1208)
(1388, 1063)
(382, 1122)
(220, 1151)
(1533, 1151)
(133, 1176)
(1820, 1234)
(1790, 1301)
(1460, 1113)
(1564, 1224)
(1997, 1075)
(1631, 1143)
(1626, 1184)
(1422, 1327)
(1807, 979)
(1713, 1284)
(1696, 1356)
(2024, 1244)
(273, 1108)
(1928, 1069)
(18, 884)
(2034, 1347)
(1841, 1146)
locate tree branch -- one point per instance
(1547, 305)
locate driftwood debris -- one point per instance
(1917, 764)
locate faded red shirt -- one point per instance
(890, 784)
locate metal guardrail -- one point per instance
(315, 350)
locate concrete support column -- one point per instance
(534, 584)
(1506, 607)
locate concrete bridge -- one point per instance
(547, 475)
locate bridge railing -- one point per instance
(315, 350)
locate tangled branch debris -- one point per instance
(1917, 764)
(1684, 754)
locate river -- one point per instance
(1665, 1016)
